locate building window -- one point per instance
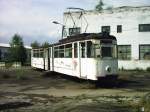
(119, 28)
(144, 52)
(124, 52)
(105, 29)
(74, 31)
(144, 27)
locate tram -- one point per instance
(90, 56)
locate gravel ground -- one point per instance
(28, 90)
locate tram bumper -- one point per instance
(107, 69)
(108, 77)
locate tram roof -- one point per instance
(83, 36)
(86, 36)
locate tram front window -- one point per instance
(105, 51)
(108, 51)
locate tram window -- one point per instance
(49, 52)
(97, 51)
(82, 49)
(68, 51)
(106, 51)
(75, 50)
(56, 52)
(89, 49)
(35, 54)
(41, 53)
(61, 51)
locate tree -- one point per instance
(45, 45)
(99, 6)
(35, 44)
(17, 50)
(0, 54)
(109, 8)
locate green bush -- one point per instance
(20, 74)
(148, 69)
(145, 102)
(139, 70)
(8, 65)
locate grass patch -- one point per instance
(20, 74)
(145, 102)
(148, 69)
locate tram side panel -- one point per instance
(63, 65)
(88, 68)
(37, 63)
(37, 60)
(67, 64)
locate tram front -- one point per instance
(106, 57)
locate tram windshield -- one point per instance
(105, 51)
(108, 51)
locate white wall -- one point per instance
(129, 18)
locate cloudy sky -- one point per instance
(32, 19)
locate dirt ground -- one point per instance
(28, 90)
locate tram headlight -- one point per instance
(108, 68)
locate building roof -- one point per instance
(114, 10)
(7, 45)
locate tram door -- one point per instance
(82, 60)
(46, 60)
(51, 59)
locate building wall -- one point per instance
(128, 17)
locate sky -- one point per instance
(32, 19)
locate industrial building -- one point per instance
(131, 26)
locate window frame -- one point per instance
(56, 52)
(105, 27)
(69, 50)
(75, 50)
(61, 50)
(124, 52)
(119, 28)
(74, 31)
(140, 52)
(144, 25)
